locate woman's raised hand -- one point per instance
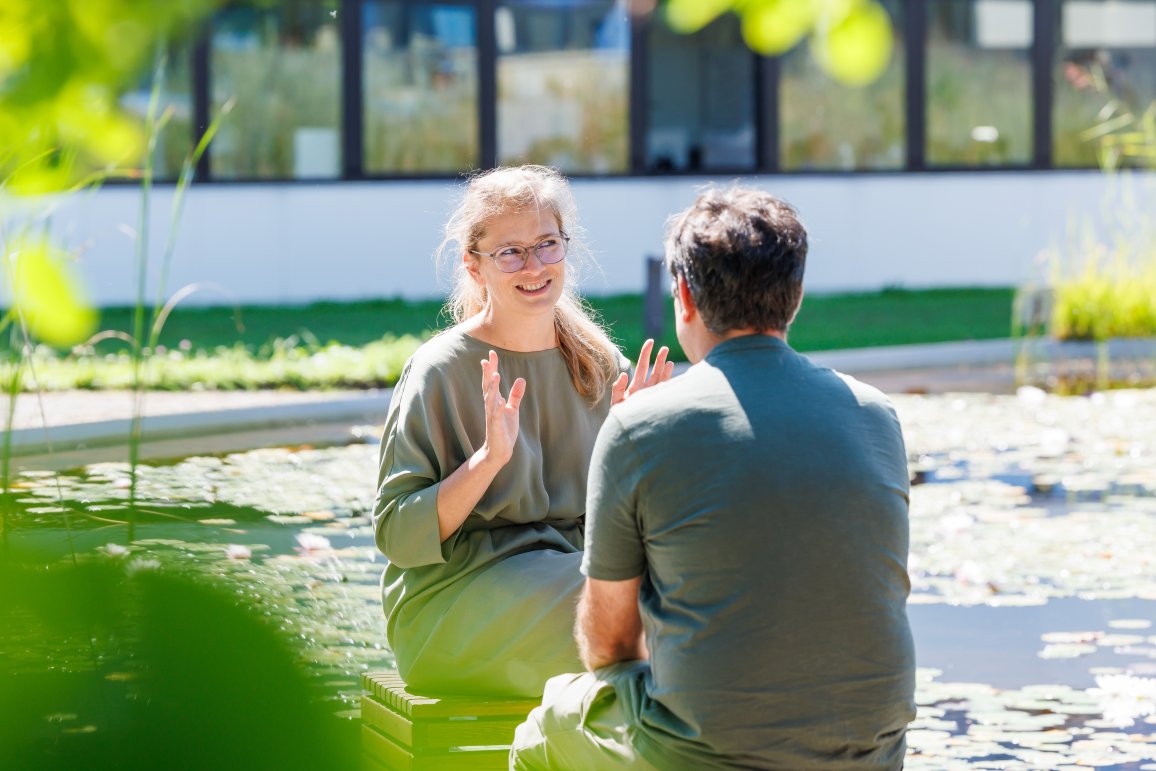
(501, 413)
(644, 376)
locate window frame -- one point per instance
(1044, 48)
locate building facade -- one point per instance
(343, 126)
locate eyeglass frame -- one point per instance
(565, 239)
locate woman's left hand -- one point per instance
(644, 376)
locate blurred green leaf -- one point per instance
(134, 668)
(856, 49)
(64, 65)
(46, 294)
(773, 27)
(687, 16)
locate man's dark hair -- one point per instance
(742, 253)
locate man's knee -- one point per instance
(536, 739)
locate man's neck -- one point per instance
(710, 339)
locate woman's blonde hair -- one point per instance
(592, 359)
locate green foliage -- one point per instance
(63, 66)
(1106, 288)
(1112, 295)
(125, 666)
(851, 39)
(45, 295)
(289, 366)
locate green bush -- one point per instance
(1113, 295)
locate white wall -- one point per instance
(297, 243)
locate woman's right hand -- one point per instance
(502, 414)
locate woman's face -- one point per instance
(531, 291)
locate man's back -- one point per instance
(771, 496)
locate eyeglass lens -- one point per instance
(513, 258)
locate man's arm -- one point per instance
(609, 627)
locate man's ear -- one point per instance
(686, 307)
(798, 306)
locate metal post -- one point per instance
(654, 306)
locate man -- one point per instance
(745, 601)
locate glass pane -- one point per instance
(979, 82)
(826, 125)
(421, 87)
(174, 112)
(563, 84)
(700, 99)
(282, 64)
(1107, 50)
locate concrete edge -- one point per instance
(159, 428)
(372, 406)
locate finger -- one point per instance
(643, 365)
(618, 390)
(659, 365)
(669, 371)
(492, 393)
(517, 391)
(485, 376)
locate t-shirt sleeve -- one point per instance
(405, 514)
(614, 545)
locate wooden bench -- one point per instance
(403, 731)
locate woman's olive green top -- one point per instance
(491, 609)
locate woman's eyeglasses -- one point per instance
(512, 258)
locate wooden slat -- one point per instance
(391, 690)
(438, 732)
(380, 749)
(384, 751)
(395, 725)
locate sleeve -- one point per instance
(405, 515)
(614, 539)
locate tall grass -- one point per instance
(1104, 286)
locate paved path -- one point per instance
(64, 408)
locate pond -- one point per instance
(1033, 565)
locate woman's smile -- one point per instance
(536, 288)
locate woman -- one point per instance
(481, 496)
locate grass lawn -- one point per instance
(890, 317)
(365, 344)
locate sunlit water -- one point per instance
(1033, 565)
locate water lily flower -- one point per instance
(311, 545)
(236, 551)
(1123, 698)
(114, 550)
(141, 564)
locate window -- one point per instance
(563, 84)
(420, 87)
(701, 99)
(282, 65)
(826, 125)
(979, 82)
(174, 112)
(1106, 51)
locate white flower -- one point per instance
(1031, 396)
(1123, 698)
(310, 545)
(114, 550)
(236, 551)
(972, 573)
(141, 564)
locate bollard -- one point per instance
(654, 303)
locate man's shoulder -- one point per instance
(672, 397)
(865, 393)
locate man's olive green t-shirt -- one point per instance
(763, 499)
